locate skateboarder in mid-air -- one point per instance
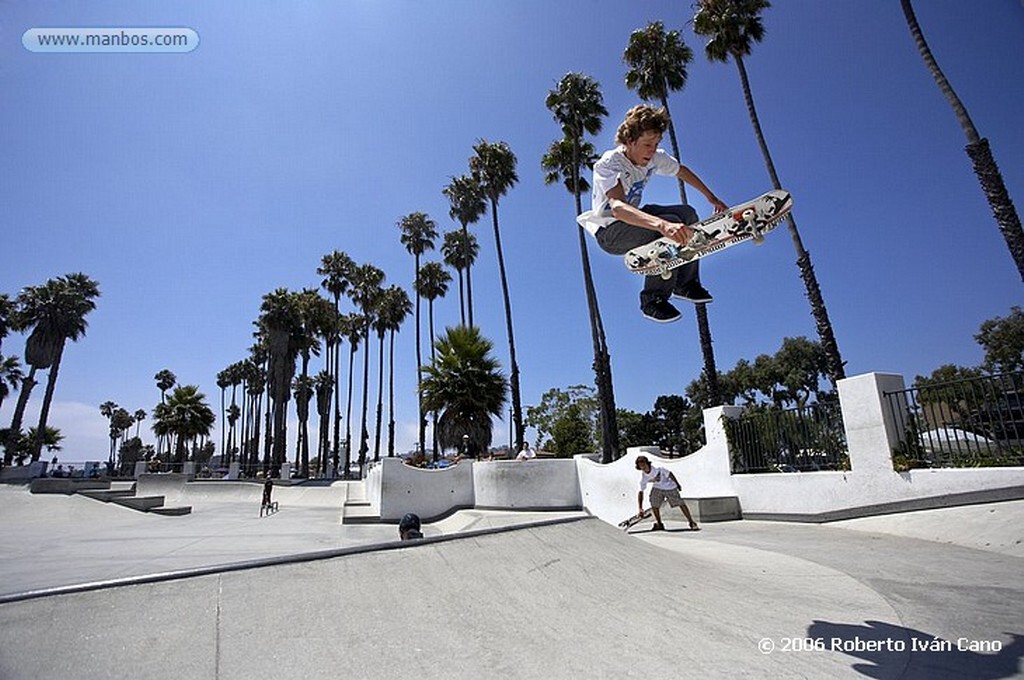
(666, 488)
(619, 223)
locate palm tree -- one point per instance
(255, 379)
(10, 376)
(494, 167)
(433, 284)
(365, 293)
(578, 106)
(732, 26)
(302, 388)
(185, 416)
(460, 251)
(317, 318)
(10, 368)
(418, 234)
(323, 387)
(280, 322)
(468, 204)
(138, 417)
(107, 410)
(465, 385)
(223, 382)
(56, 313)
(165, 380)
(8, 309)
(336, 268)
(354, 324)
(392, 307)
(978, 150)
(658, 62)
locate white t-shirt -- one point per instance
(614, 167)
(660, 477)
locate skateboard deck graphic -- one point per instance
(750, 220)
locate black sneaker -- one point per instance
(661, 311)
(694, 292)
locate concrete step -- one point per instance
(359, 514)
(141, 503)
(107, 496)
(713, 509)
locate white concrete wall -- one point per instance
(428, 493)
(526, 485)
(609, 491)
(871, 433)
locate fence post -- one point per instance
(714, 434)
(872, 430)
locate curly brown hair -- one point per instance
(640, 119)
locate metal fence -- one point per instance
(974, 422)
(804, 439)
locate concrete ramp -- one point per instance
(576, 599)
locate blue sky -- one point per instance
(191, 184)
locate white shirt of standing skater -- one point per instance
(660, 477)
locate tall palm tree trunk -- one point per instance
(517, 408)
(469, 281)
(364, 436)
(422, 424)
(19, 415)
(391, 394)
(703, 326)
(380, 400)
(44, 410)
(602, 360)
(833, 359)
(336, 447)
(977, 149)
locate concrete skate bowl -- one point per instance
(178, 490)
(570, 599)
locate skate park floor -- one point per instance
(91, 590)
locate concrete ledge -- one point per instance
(65, 485)
(715, 509)
(930, 503)
(142, 503)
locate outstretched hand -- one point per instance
(678, 232)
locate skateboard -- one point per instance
(269, 508)
(747, 221)
(635, 519)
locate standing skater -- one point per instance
(666, 488)
(619, 223)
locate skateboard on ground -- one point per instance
(269, 508)
(749, 220)
(635, 519)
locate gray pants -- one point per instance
(618, 238)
